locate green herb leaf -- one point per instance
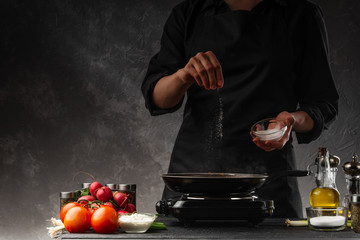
(85, 192)
(77, 193)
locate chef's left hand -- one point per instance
(272, 145)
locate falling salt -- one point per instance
(214, 132)
(219, 117)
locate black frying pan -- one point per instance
(222, 183)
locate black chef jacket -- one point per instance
(274, 58)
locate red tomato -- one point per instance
(66, 208)
(92, 208)
(105, 220)
(77, 220)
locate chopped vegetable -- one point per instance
(296, 223)
(56, 222)
(54, 231)
(157, 226)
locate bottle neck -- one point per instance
(326, 177)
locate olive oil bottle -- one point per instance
(325, 195)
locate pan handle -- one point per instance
(298, 173)
(288, 173)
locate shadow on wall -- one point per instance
(70, 100)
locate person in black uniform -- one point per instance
(240, 61)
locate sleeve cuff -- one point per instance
(150, 85)
(318, 119)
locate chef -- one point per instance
(237, 62)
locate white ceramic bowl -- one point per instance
(327, 219)
(269, 129)
(136, 222)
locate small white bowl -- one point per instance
(136, 222)
(269, 129)
(327, 219)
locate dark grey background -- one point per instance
(70, 101)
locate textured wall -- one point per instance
(342, 139)
(70, 100)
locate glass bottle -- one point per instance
(129, 189)
(85, 185)
(67, 197)
(352, 177)
(112, 186)
(355, 207)
(325, 195)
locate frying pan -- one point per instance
(222, 183)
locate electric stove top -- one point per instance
(191, 208)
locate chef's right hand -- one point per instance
(204, 69)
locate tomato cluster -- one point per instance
(78, 218)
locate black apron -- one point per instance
(255, 54)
